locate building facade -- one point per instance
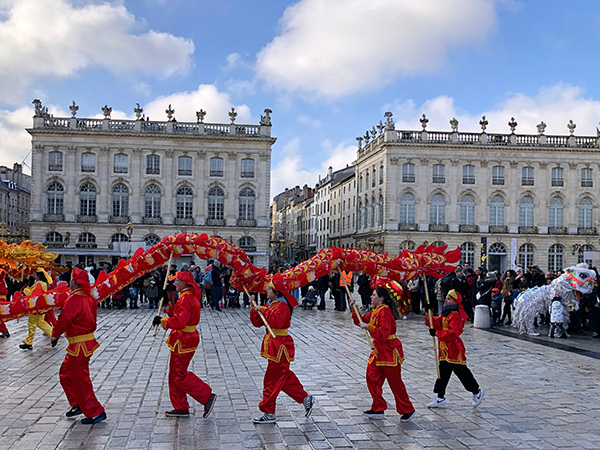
(15, 195)
(101, 188)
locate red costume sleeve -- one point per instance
(365, 318)
(437, 322)
(455, 328)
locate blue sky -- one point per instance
(328, 69)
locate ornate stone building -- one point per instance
(103, 187)
(15, 194)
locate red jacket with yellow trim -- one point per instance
(78, 318)
(278, 317)
(185, 313)
(382, 325)
(449, 328)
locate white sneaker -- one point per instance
(404, 317)
(265, 418)
(437, 402)
(477, 398)
(533, 333)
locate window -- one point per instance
(438, 173)
(367, 180)
(527, 176)
(467, 210)
(152, 196)
(586, 177)
(247, 204)
(467, 254)
(86, 238)
(555, 212)
(120, 200)
(216, 200)
(497, 211)
(526, 212)
(120, 163)
(437, 212)
(469, 174)
(407, 209)
(360, 182)
(247, 168)
(184, 203)
(586, 213)
(498, 175)
(373, 213)
(381, 210)
(53, 239)
(366, 217)
(380, 174)
(87, 199)
(374, 178)
(88, 162)
(359, 215)
(581, 254)
(151, 239)
(152, 165)
(55, 198)
(216, 167)
(407, 245)
(185, 166)
(408, 173)
(119, 237)
(526, 254)
(55, 160)
(557, 176)
(247, 242)
(556, 257)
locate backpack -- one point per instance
(207, 281)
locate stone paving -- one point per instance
(537, 397)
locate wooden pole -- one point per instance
(164, 288)
(430, 316)
(357, 312)
(262, 316)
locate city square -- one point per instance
(538, 394)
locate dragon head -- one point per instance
(580, 278)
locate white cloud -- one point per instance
(54, 38)
(337, 47)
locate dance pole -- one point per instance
(164, 287)
(264, 319)
(430, 316)
(357, 312)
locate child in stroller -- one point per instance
(233, 298)
(311, 298)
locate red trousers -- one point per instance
(279, 377)
(3, 328)
(183, 383)
(376, 375)
(50, 318)
(75, 380)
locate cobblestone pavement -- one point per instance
(537, 396)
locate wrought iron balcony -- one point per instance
(408, 227)
(557, 230)
(184, 221)
(528, 230)
(185, 172)
(440, 228)
(118, 219)
(527, 182)
(247, 174)
(587, 183)
(85, 218)
(215, 222)
(152, 171)
(587, 230)
(558, 183)
(246, 222)
(468, 180)
(498, 181)
(498, 229)
(152, 220)
(54, 217)
(408, 178)
(216, 173)
(468, 228)
(55, 167)
(437, 179)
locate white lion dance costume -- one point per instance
(535, 301)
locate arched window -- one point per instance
(373, 213)
(408, 245)
(437, 212)
(55, 198)
(216, 203)
(407, 208)
(87, 199)
(53, 239)
(152, 195)
(184, 203)
(247, 204)
(555, 212)
(366, 180)
(581, 256)
(374, 178)
(381, 174)
(366, 218)
(497, 248)
(86, 239)
(586, 213)
(526, 212)
(381, 210)
(526, 254)
(467, 210)
(120, 200)
(467, 254)
(247, 242)
(556, 257)
(497, 211)
(151, 239)
(119, 237)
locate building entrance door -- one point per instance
(497, 259)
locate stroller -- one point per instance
(310, 300)
(233, 298)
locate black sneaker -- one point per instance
(25, 346)
(5, 335)
(74, 411)
(308, 402)
(208, 406)
(265, 418)
(407, 417)
(178, 413)
(374, 414)
(92, 420)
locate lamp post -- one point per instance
(129, 231)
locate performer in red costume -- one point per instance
(77, 321)
(448, 327)
(385, 361)
(183, 317)
(36, 320)
(279, 352)
(3, 292)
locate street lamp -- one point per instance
(129, 231)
